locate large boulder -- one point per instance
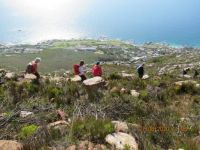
(94, 81)
(10, 145)
(122, 140)
(120, 126)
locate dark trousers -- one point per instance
(141, 75)
(83, 77)
(37, 75)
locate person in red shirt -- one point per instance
(32, 67)
(97, 70)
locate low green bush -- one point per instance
(188, 88)
(27, 131)
(114, 76)
(92, 129)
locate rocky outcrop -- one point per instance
(121, 141)
(10, 145)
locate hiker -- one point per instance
(32, 67)
(185, 71)
(196, 73)
(82, 70)
(97, 70)
(140, 71)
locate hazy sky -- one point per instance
(141, 20)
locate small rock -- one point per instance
(10, 145)
(124, 91)
(187, 76)
(121, 140)
(145, 77)
(120, 126)
(115, 90)
(135, 93)
(24, 114)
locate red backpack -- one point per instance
(76, 69)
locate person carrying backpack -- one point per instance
(140, 71)
(97, 70)
(80, 70)
(32, 67)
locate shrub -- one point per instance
(54, 92)
(91, 128)
(1, 93)
(27, 131)
(114, 76)
(188, 88)
(144, 95)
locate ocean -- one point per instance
(173, 22)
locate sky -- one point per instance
(173, 21)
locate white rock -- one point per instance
(93, 81)
(126, 75)
(10, 75)
(145, 77)
(187, 76)
(76, 78)
(24, 114)
(121, 140)
(120, 126)
(135, 93)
